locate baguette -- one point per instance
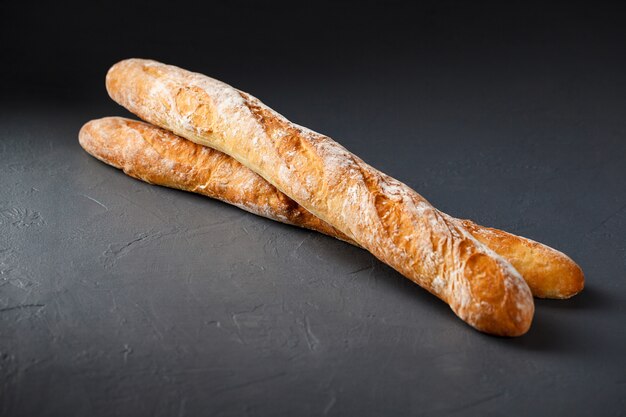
(159, 157)
(381, 214)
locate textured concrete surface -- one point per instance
(122, 298)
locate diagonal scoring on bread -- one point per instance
(381, 214)
(159, 157)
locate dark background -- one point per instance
(121, 298)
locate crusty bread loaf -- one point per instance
(381, 214)
(159, 157)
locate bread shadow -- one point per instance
(551, 331)
(590, 298)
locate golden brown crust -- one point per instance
(381, 214)
(159, 157)
(548, 272)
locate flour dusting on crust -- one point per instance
(381, 214)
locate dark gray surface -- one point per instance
(121, 298)
(118, 298)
